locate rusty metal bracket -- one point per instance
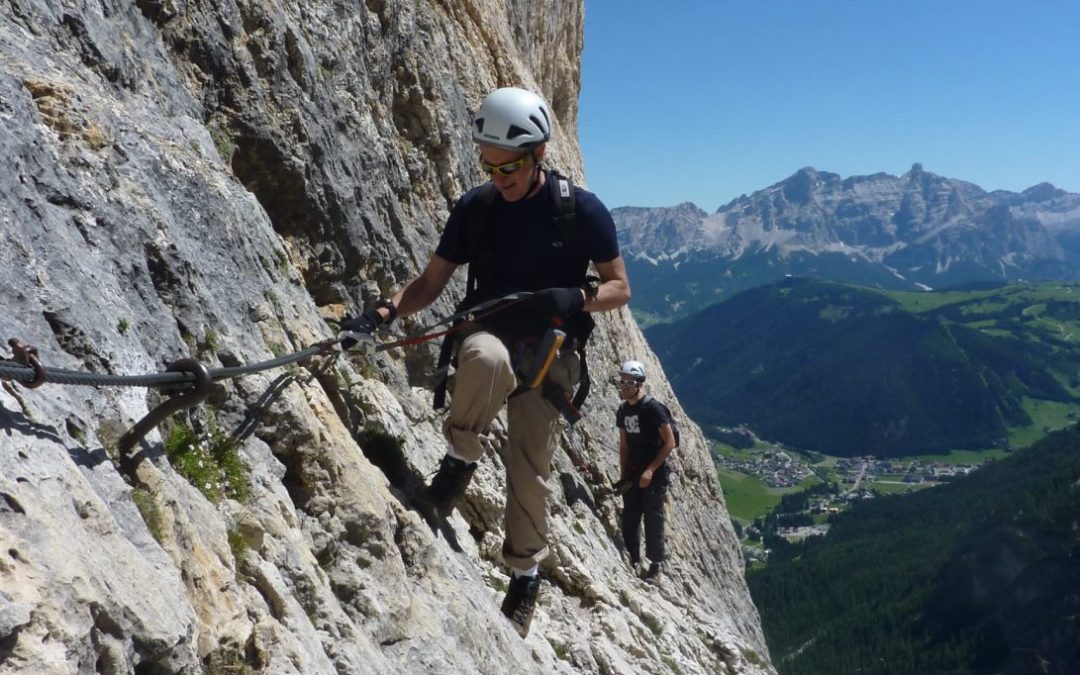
(27, 355)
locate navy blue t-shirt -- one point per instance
(526, 245)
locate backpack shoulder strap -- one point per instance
(476, 229)
(674, 425)
(566, 213)
(656, 404)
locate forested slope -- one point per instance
(976, 577)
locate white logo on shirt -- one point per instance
(632, 426)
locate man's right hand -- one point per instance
(358, 330)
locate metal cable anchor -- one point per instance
(157, 415)
(27, 355)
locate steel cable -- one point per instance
(13, 370)
(10, 370)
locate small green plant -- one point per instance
(227, 660)
(344, 380)
(752, 657)
(653, 623)
(562, 651)
(368, 369)
(191, 342)
(277, 349)
(211, 340)
(282, 261)
(122, 326)
(212, 465)
(237, 544)
(150, 512)
(224, 143)
(672, 664)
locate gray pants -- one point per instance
(647, 504)
(483, 379)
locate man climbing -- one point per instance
(509, 233)
(646, 439)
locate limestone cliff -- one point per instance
(216, 178)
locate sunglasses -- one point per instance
(508, 169)
(619, 382)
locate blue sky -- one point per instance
(704, 100)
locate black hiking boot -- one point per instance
(436, 502)
(654, 572)
(520, 602)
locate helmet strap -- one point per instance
(534, 186)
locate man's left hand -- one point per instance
(563, 302)
(646, 478)
(356, 331)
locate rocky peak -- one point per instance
(663, 232)
(1043, 192)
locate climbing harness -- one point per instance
(476, 232)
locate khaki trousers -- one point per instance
(483, 379)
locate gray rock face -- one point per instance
(216, 178)
(913, 231)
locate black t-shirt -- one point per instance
(642, 422)
(526, 249)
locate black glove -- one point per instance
(562, 302)
(359, 328)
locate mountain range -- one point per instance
(910, 232)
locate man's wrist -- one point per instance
(391, 310)
(591, 288)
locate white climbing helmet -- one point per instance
(512, 118)
(633, 369)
